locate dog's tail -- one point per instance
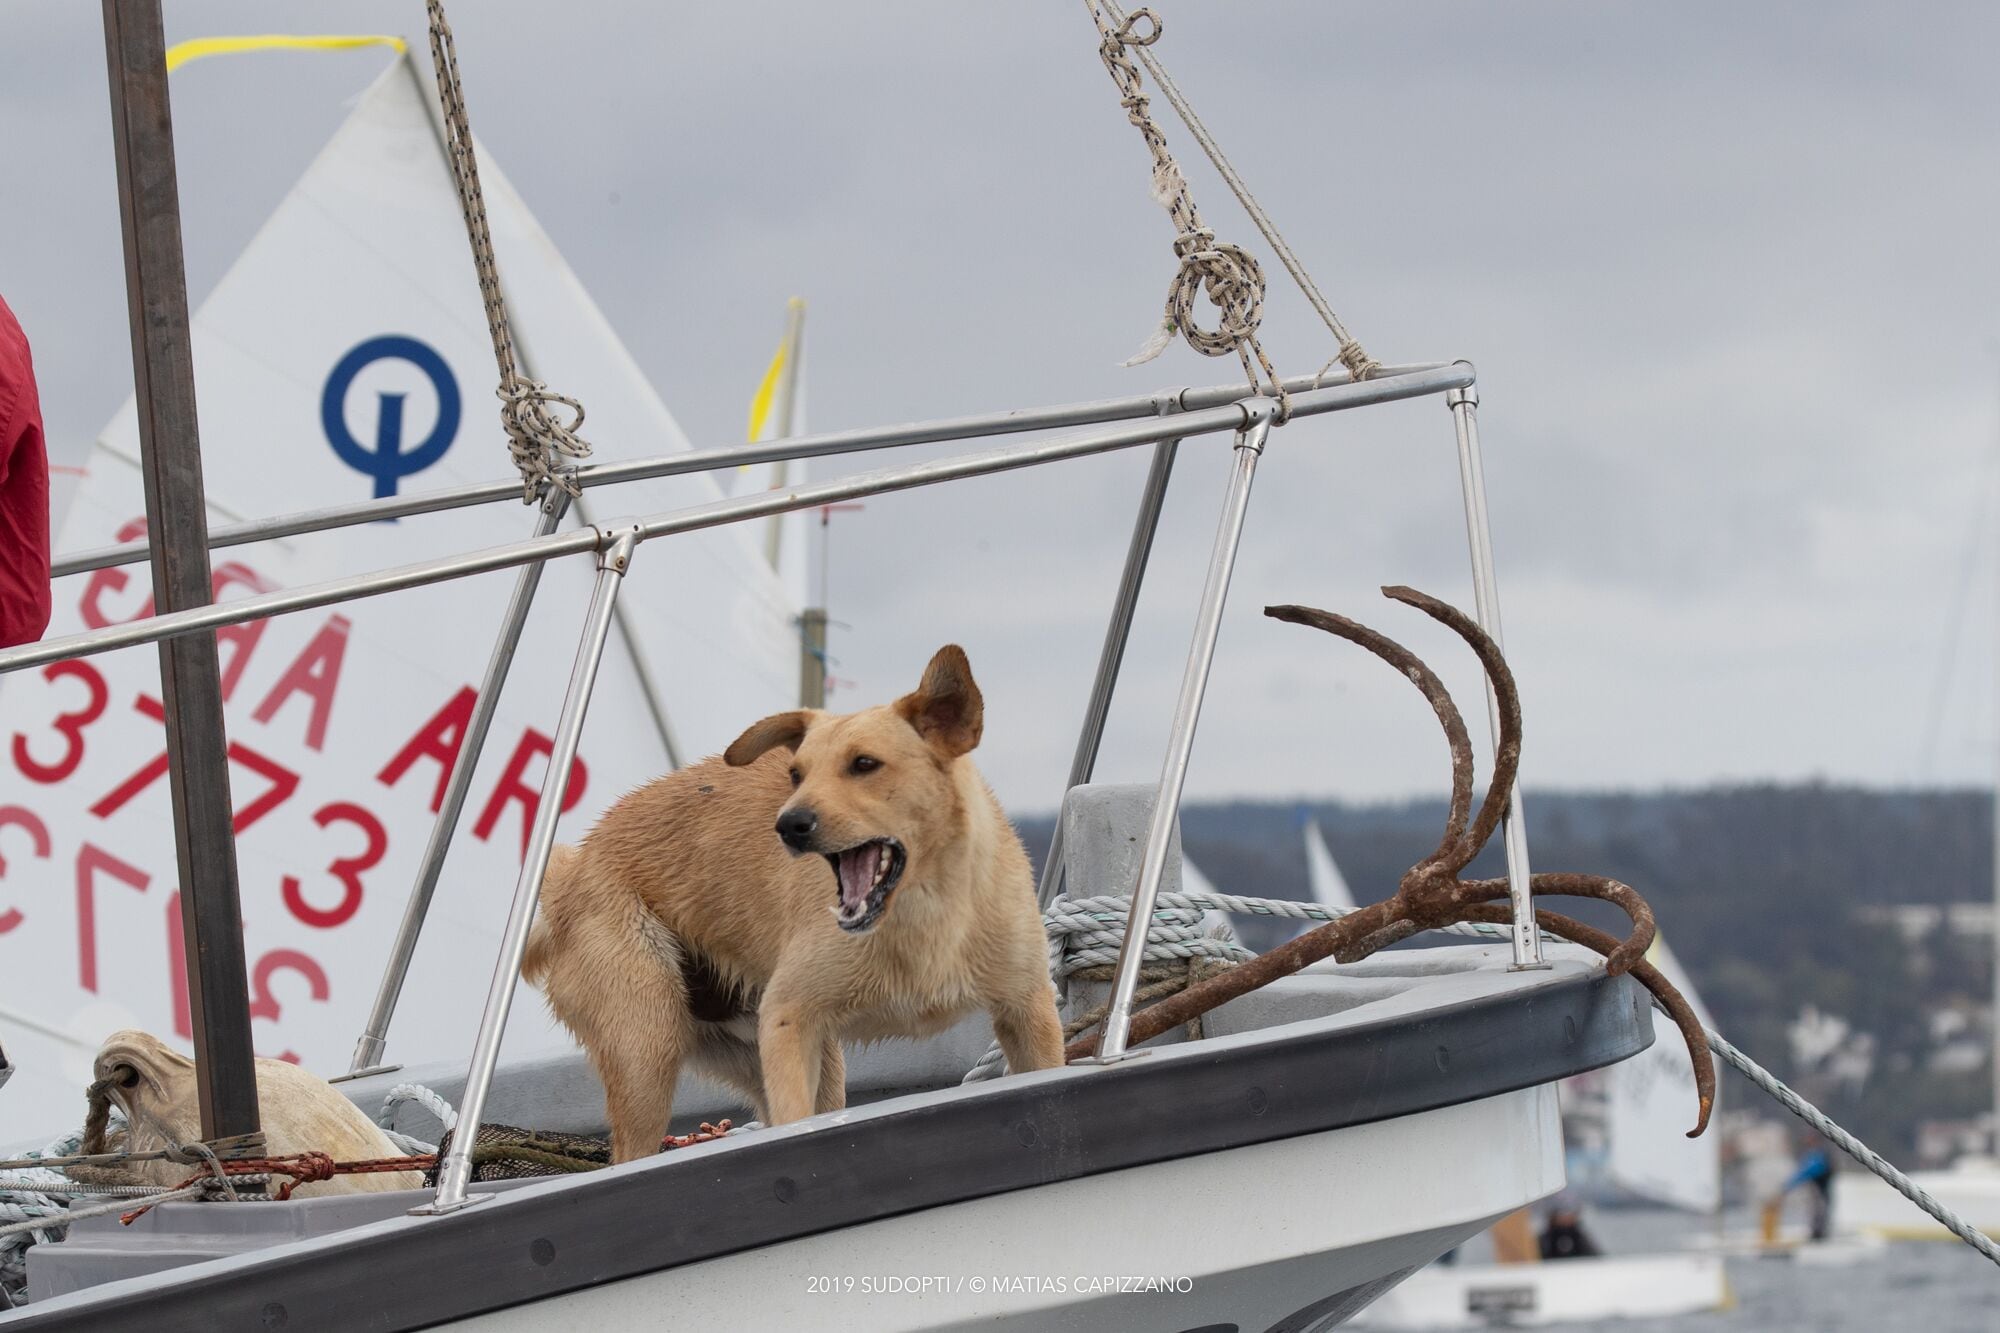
(535, 962)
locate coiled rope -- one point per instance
(537, 442)
(1085, 935)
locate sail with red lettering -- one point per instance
(345, 356)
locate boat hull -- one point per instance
(1865, 1204)
(1572, 1290)
(1286, 1235)
(1308, 1163)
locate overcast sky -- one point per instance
(1728, 272)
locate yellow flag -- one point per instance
(774, 381)
(195, 48)
(767, 390)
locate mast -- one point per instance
(177, 532)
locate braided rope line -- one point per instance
(1351, 355)
(100, 1209)
(1853, 1147)
(536, 441)
(1228, 274)
(1086, 933)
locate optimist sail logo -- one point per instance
(388, 461)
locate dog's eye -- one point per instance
(797, 777)
(864, 763)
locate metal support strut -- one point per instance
(177, 535)
(455, 1170)
(1112, 655)
(1464, 404)
(1250, 439)
(375, 1036)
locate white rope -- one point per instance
(441, 1110)
(1089, 932)
(1357, 361)
(1853, 1147)
(99, 1209)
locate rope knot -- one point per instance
(1233, 282)
(536, 441)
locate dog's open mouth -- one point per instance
(867, 875)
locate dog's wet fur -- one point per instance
(828, 878)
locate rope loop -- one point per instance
(535, 439)
(1127, 32)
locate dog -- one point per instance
(828, 879)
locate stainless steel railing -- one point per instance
(1176, 415)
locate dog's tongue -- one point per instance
(857, 874)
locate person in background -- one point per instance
(1563, 1237)
(1815, 1169)
(24, 493)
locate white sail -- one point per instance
(345, 355)
(1194, 881)
(1329, 886)
(1650, 1105)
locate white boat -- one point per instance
(1529, 1295)
(1868, 1205)
(1183, 1184)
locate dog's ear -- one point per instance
(946, 709)
(786, 729)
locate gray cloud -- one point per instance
(1727, 272)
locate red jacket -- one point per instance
(24, 493)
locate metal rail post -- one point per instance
(375, 1036)
(177, 537)
(1464, 404)
(1180, 739)
(455, 1170)
(1109, 658)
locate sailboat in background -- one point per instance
(344, 356)
(1329, 886)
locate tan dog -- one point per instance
(829, 879)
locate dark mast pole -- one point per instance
(177, 531)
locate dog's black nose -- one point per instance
(797, 827)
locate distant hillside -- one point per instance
(1761, 890)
